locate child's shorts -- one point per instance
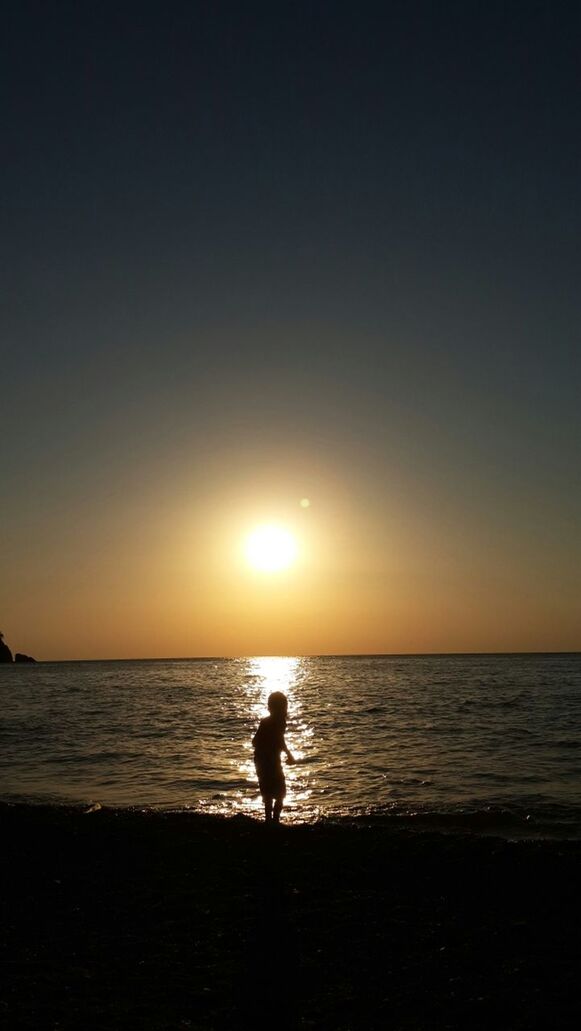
(270, 780)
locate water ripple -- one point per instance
(417, 734)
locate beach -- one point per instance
(118, 919)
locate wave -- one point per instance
(514, 822)
(560, 823)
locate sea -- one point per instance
(477, 743)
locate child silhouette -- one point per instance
(269, 743)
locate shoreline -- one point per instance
(490, 822)
(118, 919)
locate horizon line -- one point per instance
(295, 655)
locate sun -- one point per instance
(270, 548)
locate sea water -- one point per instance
(469, 741)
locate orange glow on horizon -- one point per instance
(363, 572)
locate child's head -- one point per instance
(278, 705)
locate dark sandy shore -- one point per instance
(130, 920)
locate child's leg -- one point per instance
(277, 809)
(267, 808)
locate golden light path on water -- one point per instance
(262, 677)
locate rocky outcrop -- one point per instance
(5, 653)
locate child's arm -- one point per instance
(289, 757)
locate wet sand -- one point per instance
(131, 920)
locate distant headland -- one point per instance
(6, 654)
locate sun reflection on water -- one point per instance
(265, 675)
(259, 677)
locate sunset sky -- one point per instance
(261, 252)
